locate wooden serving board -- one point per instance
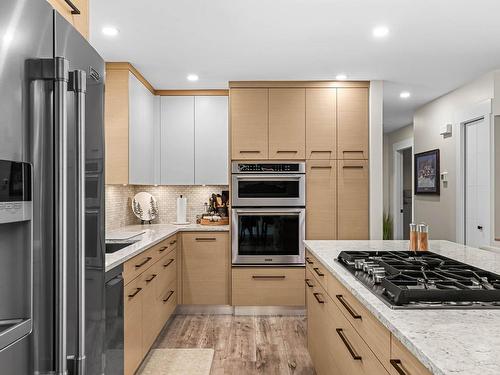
(223, 221)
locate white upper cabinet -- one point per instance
(144, 127)
(177, 140)
(211, 140)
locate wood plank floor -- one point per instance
(244, 345)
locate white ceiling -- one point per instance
(433, 47)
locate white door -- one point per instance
(477, 184)
(211, 129)
(177, 140)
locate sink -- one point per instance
(112, 247)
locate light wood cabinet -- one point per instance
(321, 123)
(150, 297)
(268, 286)
(249, 123)
(352, 123)
(287, 123)
(177, 140)
(404, 361)
(205, 268)
(321, 200)
(79, 21)
(353, 195)
(344, 338)
(211, 140)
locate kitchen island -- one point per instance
(445, 341)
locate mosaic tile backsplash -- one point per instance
(119, 199)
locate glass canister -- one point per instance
(413, 246)
(423, 237)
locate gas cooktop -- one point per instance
(423, 280)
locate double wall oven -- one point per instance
(268, 213)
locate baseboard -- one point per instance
(204, 309)
(270, 310)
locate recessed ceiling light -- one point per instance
(192, 77)
(110, 31)
(404, 95)
(340, 77)
(380, 31)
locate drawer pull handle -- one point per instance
(165, 300)
(249, 152)
(308, 283)
(287, 151)
(206, 239)
(74, 9)
(173, 242)
(348, 345)
(170, 261)
(162, 249)
(269, 277)
(396, 363)
(151, 278)
(321, 151)
(143, 262)
(348, 307)
(353, 167)
(321, 167)
(137, 291)
(309, 261)
(320, 300)
(353, 151)
(318, 272)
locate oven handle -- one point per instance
(264, 211)
(271, 177)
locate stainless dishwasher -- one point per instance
(114, 322)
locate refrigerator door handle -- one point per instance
(78, 84)
(61, 77)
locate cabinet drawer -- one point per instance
(369, 328)
(138, 264)
(168, 301)
(151, 322)
(268, 286)
(132, 326)
(403, 362)
(167, 272)
(317, 270)
(352, 354)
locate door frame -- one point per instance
(482, 110)
(397, 186)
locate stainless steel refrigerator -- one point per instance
(51, 195)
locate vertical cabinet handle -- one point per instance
(398, 366)
(348, 307)
(348, 345)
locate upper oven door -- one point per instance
(255, 190)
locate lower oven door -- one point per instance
(268, 236)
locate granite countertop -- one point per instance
(153, 234)
(458, 342)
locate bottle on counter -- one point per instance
(423, 237)
(413, 246)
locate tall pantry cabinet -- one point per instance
(325, 124)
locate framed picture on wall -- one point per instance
(427, 172)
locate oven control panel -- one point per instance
(268, 168)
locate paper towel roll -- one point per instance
(181, 209)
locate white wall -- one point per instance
(376, 159)
(440, 211)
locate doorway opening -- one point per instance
(402, 195)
